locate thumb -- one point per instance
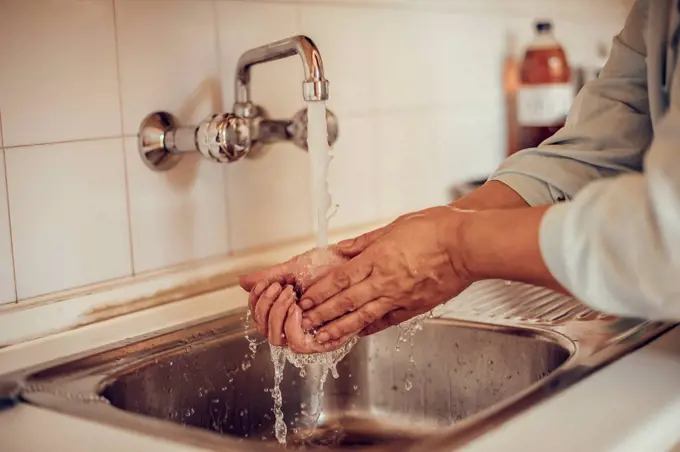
(352, 247)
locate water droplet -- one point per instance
(356, 387)
(408, 385)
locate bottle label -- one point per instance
(543, 105)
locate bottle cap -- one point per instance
(543, 25)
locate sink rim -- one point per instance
(92, 373)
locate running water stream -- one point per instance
(317, 143)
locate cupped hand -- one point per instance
(283, 322)
(404, 271)
(276, 285)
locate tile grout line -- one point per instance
(9, 216)
(123, 141)
(74, 140)
(225, 173)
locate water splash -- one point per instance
(327, 362)
(279, 360)
(252, 342)
(407, 332)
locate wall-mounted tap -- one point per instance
(228, 137)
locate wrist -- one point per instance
(451, 236)
(503, 244)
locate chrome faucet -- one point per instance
(315, 85)
(228, 137)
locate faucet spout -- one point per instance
(314, 86)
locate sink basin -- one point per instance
(207, 378)
(507, 348)
(457, 372)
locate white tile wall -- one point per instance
(168, 60)
(405, 165)
(68, 214)
(353, 173)
(176, 216)
(58, 80)
(269, 198)
(415, 84)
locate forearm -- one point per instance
(501, 244)
(492, 195)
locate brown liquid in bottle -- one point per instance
(545, 92)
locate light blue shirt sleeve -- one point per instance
(615, 243)
(616, 246)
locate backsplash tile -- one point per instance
(415, 84)
(58, 80)
(406, 168)
(178, 215)
(7, 289)
(353, 173)
(458, 153)
(68, 214)
(168, 60)
(269, 197)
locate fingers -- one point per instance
(301, 342)
(353, 247)
(339, 279)
(279, 273)
(347, 301)
(254, 295)
(277, 315)
(263, 305)
(295, 336)
(354, 322)
(298, 340)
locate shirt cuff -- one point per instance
(551, 238)
(532, 190)
(556, 256)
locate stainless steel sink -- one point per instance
(458, 371)
(201, 385)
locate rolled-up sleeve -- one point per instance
(616, 246)
(607, 131)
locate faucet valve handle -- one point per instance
(223, 137)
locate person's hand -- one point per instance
(284, 325)
(276, 286)
(403, 271)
